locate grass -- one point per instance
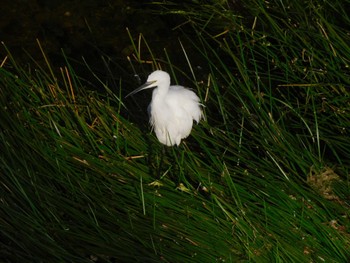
(264, 178)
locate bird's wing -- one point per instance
(181, 98)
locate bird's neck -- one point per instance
(159, 93)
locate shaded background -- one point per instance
(89, 29)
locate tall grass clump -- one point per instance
(264, 178)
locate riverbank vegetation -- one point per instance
(264, 178)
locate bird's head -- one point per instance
(157, 78)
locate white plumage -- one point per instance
(172, 109)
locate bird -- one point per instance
(172, 110)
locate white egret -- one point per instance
(172, 109)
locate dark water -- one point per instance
(91, 29)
